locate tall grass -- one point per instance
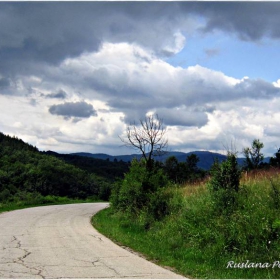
(200, 242)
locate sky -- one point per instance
(73, 75)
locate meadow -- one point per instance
(198, 240)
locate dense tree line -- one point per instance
(24, 169)
(182, 172)
(110, 170)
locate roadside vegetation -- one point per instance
(224, 225)
(198, 236)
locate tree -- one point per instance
(171, 168)
(148, 138)
(142, 193)
(275, 161)
(224, 182)
(191, 162)
(253, 155)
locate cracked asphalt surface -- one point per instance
(59, 242)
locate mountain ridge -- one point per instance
(206, 158)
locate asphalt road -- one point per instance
(59, 242)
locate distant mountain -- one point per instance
(125, 158)
(206, 158)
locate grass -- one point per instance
(25, 200)
(197, 241)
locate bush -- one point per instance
(142, 193)
(224, 183)
(159, 204)
(129, 194)
(5, 195)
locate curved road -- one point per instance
(59, 242)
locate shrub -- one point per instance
(224, 182)
(5, 195)
(160, 204)
(142, 193)
(129, 194)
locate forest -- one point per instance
(24, 170)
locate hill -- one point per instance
(99, 164)
(125, 158)
(24, 170)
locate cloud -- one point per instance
(4, 82)
(48, 33)
(42, 31)
(9, 86)
(175, 45)
(61, 94)
(256, 88)
(36, 34)
(73, 109)
(183, 116)
(250, 21)
(277, 83)
(133, 81)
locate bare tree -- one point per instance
(148, 138)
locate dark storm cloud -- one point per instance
(181, 117)
(4, 82)
(61, 94)
(43, 32)
(49, 32)
(73, 109)
(7, 86)
(249, 20)
(255, 88)
(195, 92)
(210, 88)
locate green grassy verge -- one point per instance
(25, 200)
(199, 242)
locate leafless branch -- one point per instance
(148, 138)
